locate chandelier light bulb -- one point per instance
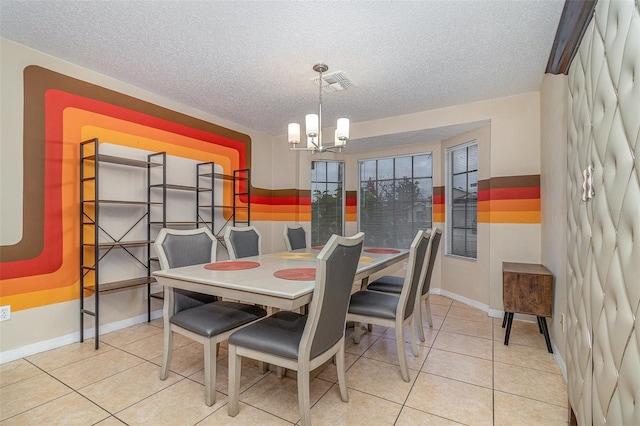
(294, 133)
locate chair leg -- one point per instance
(414, 343)
(402, 356)
(280, 372)
(235, 370)
(339, 359)
(304, 396)
(427, 309)
(357, 332)
(210, 372)
(166, 352)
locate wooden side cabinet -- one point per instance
(527, 288)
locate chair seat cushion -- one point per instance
(217, 317)
(279, 334)
(387, 284)
(374, 304)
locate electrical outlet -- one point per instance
(5, 312)
(405, 265)
(562, 322)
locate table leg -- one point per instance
(545, 331)
(509, 317)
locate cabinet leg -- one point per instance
(540, 325)
(509, 317)
(504, 319)
(545, 331)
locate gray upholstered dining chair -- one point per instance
(390, 310)
(295, 237)
(197, 316)
(304, 342)
(393, 284)
(242, 241)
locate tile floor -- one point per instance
(463, 375)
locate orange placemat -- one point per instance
(365, 259)
(317, 247)
(232, 265)
(381, 250)
(297, 274)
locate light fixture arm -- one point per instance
(313, 131)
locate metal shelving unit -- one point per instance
(96, 242)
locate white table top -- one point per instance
(259, 285)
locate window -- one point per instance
(462, 200)
(395, 199)
(327, 206)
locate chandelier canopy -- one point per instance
(313, 126)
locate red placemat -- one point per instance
(234, 265)
(317, 247)
(381, 250)
(297, 274)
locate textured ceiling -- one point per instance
(250, 62)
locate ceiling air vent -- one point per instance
(334, 82)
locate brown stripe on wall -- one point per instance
(514, 181)
(438, 190)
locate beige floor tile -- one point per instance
(179, 404)
(110, 421)
(476, 371)
(513, 410)
(150, 347)
(90, 370)
(437, 321)
(452, 399)
(186, 359)
(329, 372)
(280, 396)
(17, 371)
(249, 376)
(529, 383)
(385, 350)
(131, 334)
(439, 310)
(376, 378)
(412, 417)
(117, 392)
(468, 314)
(429, 335)
(158, 322)
(248, 415)
(470, 328)
(457, 304)
(361, 409)
(27, 394)
(466, 345)
(525, 356)
(70, 409)
(65, 355)
(437, 299)
(522, 333)
(366, 340)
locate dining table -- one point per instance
(282, 280)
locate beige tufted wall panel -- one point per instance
(603, 340)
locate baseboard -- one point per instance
(46, 345)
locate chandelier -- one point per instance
(313, 126)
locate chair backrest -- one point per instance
(336, 269)
(436, 234)
(418, 253)
(295, 237)
(242, 241)
(185, 247)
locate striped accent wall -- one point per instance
(507, 199)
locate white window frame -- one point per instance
(449, 198)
